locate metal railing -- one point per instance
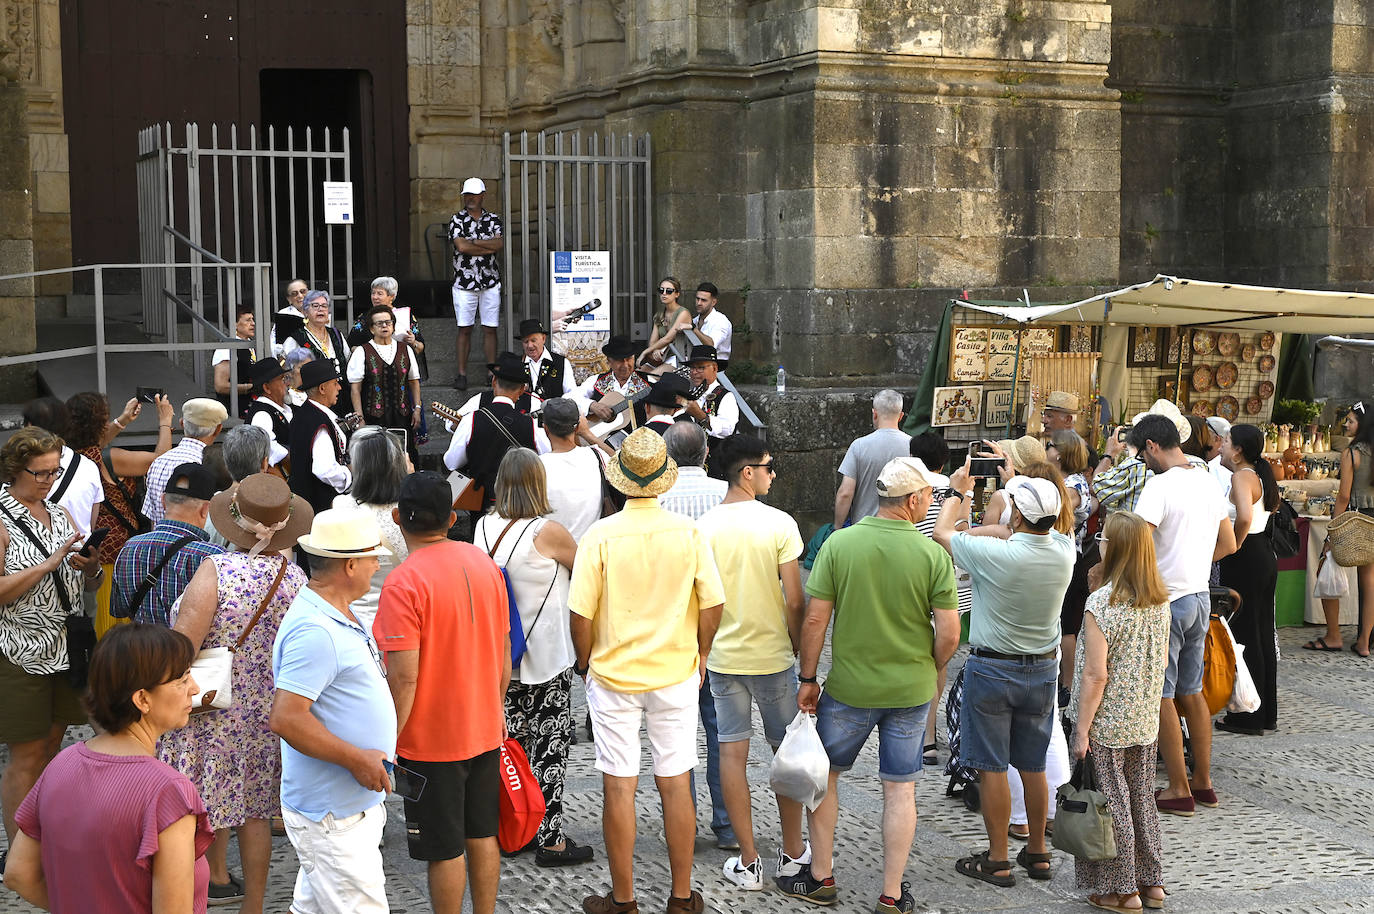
(680, 349)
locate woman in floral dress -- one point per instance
(231, 755)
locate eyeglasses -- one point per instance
(771, 466)
(382, 323)
(296, 293)
(45, 475)
(666, 290)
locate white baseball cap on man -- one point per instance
(474, 186)
(1034, 497)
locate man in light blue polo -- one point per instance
(1011, 674)
(334, 714)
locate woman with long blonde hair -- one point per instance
(1118, 678)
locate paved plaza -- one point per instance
(1292, 833)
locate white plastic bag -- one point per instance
(1332, 583)
(1244, 697)
(801, 769)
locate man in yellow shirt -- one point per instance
(646, 600)
(751, 661)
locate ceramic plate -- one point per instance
(1267, 363)
(1266, 341)
(1202, 378)
(1204, 341)
(1266, 389)
(1253, 406)
(1227, 408)
(1225, 376)
(1228, 343)
(1247, 353)
(1202, 408)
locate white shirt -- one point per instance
(718, 327)
(276, 452)
(1186, 506)
(694, 493)
(358, 359)
(574, 487)
(295, 398)
(532, 366)
(83, 493)
(722, 424)
(323, 465)
(457, 454)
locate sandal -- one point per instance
(929, 757)
(1319, 644)
(1013, 833)
(1151, 901)
(1097, 901)
(1031, 861)
(1355, 649)
(980, 867)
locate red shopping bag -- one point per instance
(522, 802)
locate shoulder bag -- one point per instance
(518, 643)
(213, 667)
(140, 522)
(151, 578)
(1083, 823)
(1282, 529)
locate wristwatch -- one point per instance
(581, 670)
(810, 680)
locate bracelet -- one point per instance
(117, 424)
(160, 425)
(810, 680)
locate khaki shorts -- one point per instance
(33, 702)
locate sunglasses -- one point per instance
(666, 290)
(771, 466)
(1100, 536)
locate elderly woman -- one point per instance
(319, 336)
(108, 827)
(379, 466)
(120, 473)
(40, 588)
(237, 600)
(289, 317)
(537, 554)
(384, 378)
(384, 290)
(670, 319)
(292, 363)
(1118, 677)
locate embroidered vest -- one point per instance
(384, 386)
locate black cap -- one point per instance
(509, 367)
(531, 325)
(667, 390)
(619, 347)
(265, 371)
(425, 503)
(702, 354)
(192, 480)
(315, 373)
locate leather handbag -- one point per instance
(213, 667)
(1083, 823)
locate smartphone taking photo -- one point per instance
(982, 467)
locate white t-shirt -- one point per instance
(1186, 506)
(357, 361)
(574, 485)
(83, 493)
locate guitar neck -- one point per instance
(446, 412)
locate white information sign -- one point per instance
(580, 307)
(338, 203)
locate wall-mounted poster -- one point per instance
(996, 406)
(968, 355)
(957, 405)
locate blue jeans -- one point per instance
(720, 819)
(1008, 713)
(844, 729)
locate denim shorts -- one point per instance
(1189, 618)
(774, 693)
(1008, 713)
(901, 732)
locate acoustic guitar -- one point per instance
(620, 406)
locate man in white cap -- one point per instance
(477, 237)
(202, 419)
(336, 720)
(1192, 530)
(892, 594)
(1011, 674)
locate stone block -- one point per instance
(51, 192)
(918, 212)
(960, 262)
(48, 152)
(839, 210)
(1090, 43)
(965, 168)
(837, 29)
(16, 311)
(16, 214)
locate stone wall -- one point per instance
(16, 231)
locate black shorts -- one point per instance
(459, 802)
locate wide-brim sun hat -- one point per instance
(261, 510)
(1023, 451)
(642, 467)
(344, 533)
(1170, 411)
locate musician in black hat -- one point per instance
(715, 408)
(664, 403)
(549, 375)
(269, 410)
(317, 443)
(622, 379)
(484, 435)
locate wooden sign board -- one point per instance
(990, 353)
(996, 406)
(968, 356)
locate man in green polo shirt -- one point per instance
(891, 591)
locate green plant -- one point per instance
(1008, 78)
(1017, 13)
(1296, 412)
(1151, 232)
(743, 371)
(1132, 96)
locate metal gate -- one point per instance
(227, 201)
(577, 192)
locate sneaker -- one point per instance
(571, 854)
(903, 905)
(809, 888)
(749, 878)
(226, 893)
(791, 866)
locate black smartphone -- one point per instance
(981, 467)
(405, 783)
(94, 540)
(148, 394)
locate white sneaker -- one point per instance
(749, 878)
(788, 866)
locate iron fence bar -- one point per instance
(632, 226)
(220, 335)
(222, 282)
(211, 255)
(612, 210)
(310, 182)
(542, 223)
(291, 195)
(595, 166)
(272, 192)
(507, 249)
(329, 237)
(169, 328)
(348, 232)
(257, 216)
(100, 378)
(524, 231)
(558, 195)
(649, 279)
(578, 208)
(238, 197)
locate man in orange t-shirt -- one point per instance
(444, 625)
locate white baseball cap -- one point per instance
(903, 476)
(1034, 497)
(474, 186)
(1219, 426)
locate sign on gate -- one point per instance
(580, 307)
(338, 202)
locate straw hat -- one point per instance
(1059, 399)
(260, 514)
(1168, 410)
(642, 467)
(1023, 451)
(344, 533)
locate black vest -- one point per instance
(522, 405)
(488, 445)
(306, 421)
(245, 360)
(344, 405)
(549, 384)
(281, 430)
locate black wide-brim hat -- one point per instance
(531, 325)
(318, 372)
(702, 354)
(264, 371)
(509, 367)
(620, 347)
(667, 390)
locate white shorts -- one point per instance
(341, 863)
(670, 715)
(468, 302)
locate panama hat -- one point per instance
(1168, 410)
(1023, 451)
(260, 514)
(642, 467)
(344, 533)
(1059, 399)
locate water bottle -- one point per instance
(782, 380)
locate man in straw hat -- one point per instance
(318, 446)
(1059, 412)
(892, 594)
(644, 664)
(1185, 505)
(1011, 675)
(336, 720)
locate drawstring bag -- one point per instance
(521, 803)
(1082, 821)
(801, 769)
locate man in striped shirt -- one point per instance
(202, 419)
(1118, 485)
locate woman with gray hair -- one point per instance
(574, 474)
(321, 338)
(379, 464)
(384, 291)
(292, 362)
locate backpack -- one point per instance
(1218, 666)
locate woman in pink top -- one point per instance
(108, 828)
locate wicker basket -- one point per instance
(1352, 539)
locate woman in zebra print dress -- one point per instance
(39, 587)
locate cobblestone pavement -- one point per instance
(1292, 833)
